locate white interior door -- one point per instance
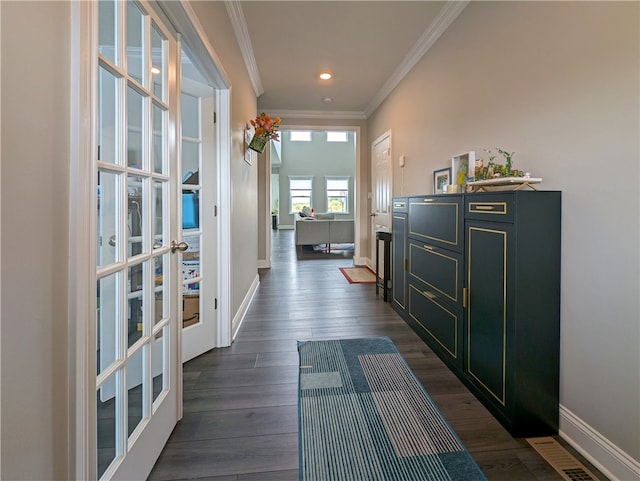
(381, 182)
(137, 269)
(199, 223)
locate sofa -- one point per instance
(328, 231)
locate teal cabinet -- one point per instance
(482, 289)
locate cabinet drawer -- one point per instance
(400, 204)
(439, 269)
(490, 207)
(437, 323)
(437, 220)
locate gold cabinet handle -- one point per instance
(429, 248)
(428, 295)
(484, 207)
(464, 297)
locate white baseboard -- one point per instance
(242, 311)
(602, 453)
(285, 227)
(363, 262)
(264, 263)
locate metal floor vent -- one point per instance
(561, 460)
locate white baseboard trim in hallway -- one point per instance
(363, 261)
(602, 453)
(242, 311)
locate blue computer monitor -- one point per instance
(190, 210)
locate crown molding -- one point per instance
(447, 14)
(239, 24)
(317, 114)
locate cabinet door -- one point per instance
(398, 244)
(488, 330)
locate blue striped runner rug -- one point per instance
(363, 416)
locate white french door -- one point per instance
(198, 168)
(126, 267)
(137, 268)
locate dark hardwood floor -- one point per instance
(240, 403)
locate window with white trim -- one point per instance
(338, 194)
(300, 190)
(300, 136)
(335, 136)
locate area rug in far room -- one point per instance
(363, 416)
(358, 275)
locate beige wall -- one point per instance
(558, 84)
(34, 190)
(244, 188)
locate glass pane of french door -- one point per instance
(191, 216)
(133, 258)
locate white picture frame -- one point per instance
(463, 169)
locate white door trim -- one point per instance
(223, 146)
(360, 203)
(81, 302)
(186, 23)
(0, 242)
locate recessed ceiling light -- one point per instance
(325, 75)
(327, 100)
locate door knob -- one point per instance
(181, 246)
(373, 215)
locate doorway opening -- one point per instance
(319, 176)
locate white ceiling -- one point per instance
(369, 46)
